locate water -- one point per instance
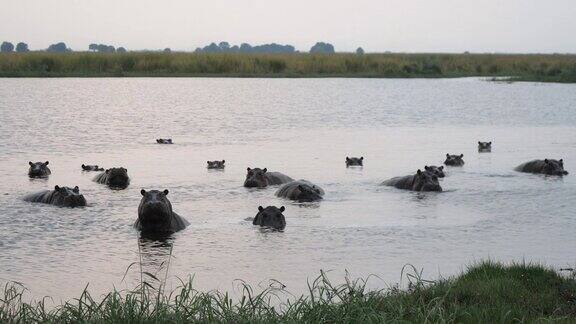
(304, 128)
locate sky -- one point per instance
(503, 26)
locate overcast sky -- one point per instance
(376, 25)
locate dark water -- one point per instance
(304, 128)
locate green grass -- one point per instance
(486, 293)
(536, 67)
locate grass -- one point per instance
(520, 67)
(486, 293)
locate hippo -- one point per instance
(436, 170)
(38, 169)
(301, 190)
(164, 141)
(271, 217)
(484, 147)
(216, 164)
(261, 178)
(91, 168)
(421, 181)
(60, 196)
(115, 178)
(354, 161)
(155, 214)
(546, 166)
(454, 160)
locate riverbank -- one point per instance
(485, 293)
(520, 67)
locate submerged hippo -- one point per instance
(421, 181)
(354, 161)
(484, 147)
(436, 170)
(546, 166)
(300, 190)
(164, 141)
(454, 160)
(115, 178)
(60, 196)
(261, 178)
(155, 213)
(91, 168)
(270, 216)
(38, 169)
(216, 164)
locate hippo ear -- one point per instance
(441, 168)
(223, 161)
(479, 143)
(248, 169)
(208, 162)
(30, 163)
(545, 160)
(419, 172)
(107, 171)
(46, 163)
(57, 187)
(447, 155)
(143, 192)
(461, 155)
(561, 160)
(83, 165)
(166, 192)
(265, 170)
(260, 208)
(427, 168)
(489, 143)
(300, 187)
(361, 158)
(347, 159)
(282, 209)
(76, 189)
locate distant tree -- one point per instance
(93, 47)
(224, 46)
(58, 48)
(359, 51)
(7, 47)
(121, 50)
(167, 50)
(22, 47)
(322, 48)
(245, 48)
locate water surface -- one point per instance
(304, 128)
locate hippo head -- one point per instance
(554, 167)
(68, 197)
(164, 141)
(155, 210)
(426, 181)
(270, 216)
(216, 164)
(454, 159)
(354, 161)
(437, 171)
(117, 178)
(38, 169)
(484, 146)
(256, 178)
(308, 193)
(91, 168)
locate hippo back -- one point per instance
(277, 178)
(546, 166)
(300, 190)
(61, 196)
(404, 182)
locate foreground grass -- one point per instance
(548, 68)
(485, 293)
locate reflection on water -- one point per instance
(305, 129)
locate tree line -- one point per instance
(222, 47)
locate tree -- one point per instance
(359, 51)
(322, 48)
(93, 47)
(224, 46)
(58, 48)
(22, 47)
(120, 50)
(6, 47)
(167, 50)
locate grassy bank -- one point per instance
(485, 293)
(550, 68)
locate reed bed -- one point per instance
(521, 67)
(487, 292)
